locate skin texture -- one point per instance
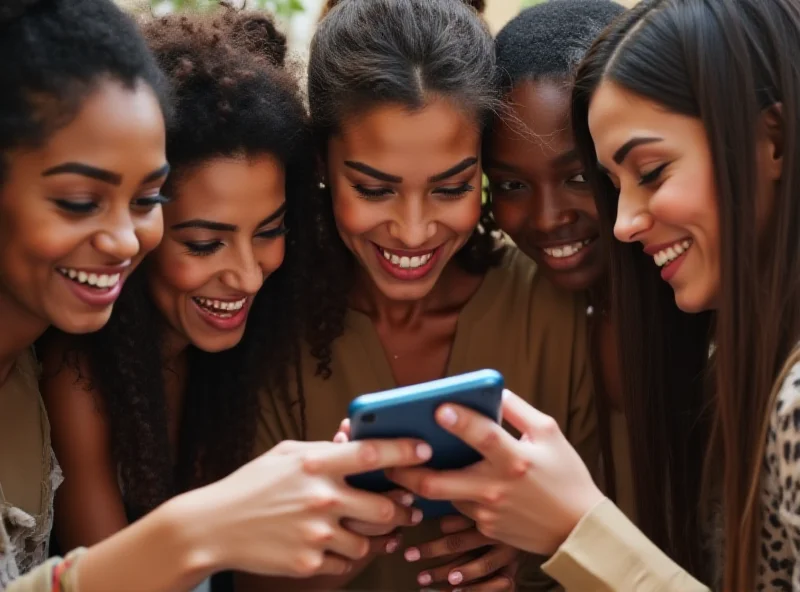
(192, 262)
(539, 195)
(415, 319)
(667, 189)
(238, 192)
(120, 131)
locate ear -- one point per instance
(772, 140)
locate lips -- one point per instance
(566, 255)
(223, 314)
(97, 287)
(407, 265)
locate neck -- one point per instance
(20, 330)
(368, 299)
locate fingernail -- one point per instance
(424, 579)
(448, 416)
(455, 577)
(416, 516)
(424, 451)
(407, 499)
(412, 554)
(392, 545)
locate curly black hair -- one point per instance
(549, 40)
(231, 96)
(371, 52)
(56, 53)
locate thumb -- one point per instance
(351, 458)
(526, 418)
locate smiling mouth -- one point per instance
(224, 309)
(567, 250)
(404, 261)
(669, 254)
(98, 281)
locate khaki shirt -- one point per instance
(517, 323)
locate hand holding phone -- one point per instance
(409, 412)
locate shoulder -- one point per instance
(785, 421)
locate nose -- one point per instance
(633, 216)
(411, 225)
(245, 273)
(545, 213)
(118, 237)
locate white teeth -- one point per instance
(96, 280)
(672, 252)
(221, 308)
(566, 250)
(405, 262)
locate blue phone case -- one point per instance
(408, 412)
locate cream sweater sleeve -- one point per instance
(606, 552)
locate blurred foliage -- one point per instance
(282, 8)
(527, 3)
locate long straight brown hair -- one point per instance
(724, 62)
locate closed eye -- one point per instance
(372, 194)
(203, 249)
(653, 175)
(273, 232)
(454, 192)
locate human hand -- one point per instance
(528, 493)
(491, 571)
(282, 514)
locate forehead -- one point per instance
(240, 191)
(116, 128)
(403, 142)
(537, 121)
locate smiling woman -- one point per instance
(215, 314)
(400, 92)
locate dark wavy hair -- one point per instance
(232, 95)
(723, 62)
(376, 52)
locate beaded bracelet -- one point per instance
(62, 572)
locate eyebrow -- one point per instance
(224, 227)
(381, 176)
(562, 159)
(454, 170)
(103, 175)
(625, 149)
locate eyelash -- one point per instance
(377, 194)
(653, 175)
(209, 248)
(87, 207)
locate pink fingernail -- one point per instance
(424, 579)
(392, 545)
(407, 499)
(448, 416)
(455, 577)
(416, 516)
(424, 451)
(412, 554)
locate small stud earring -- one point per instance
(322, 185)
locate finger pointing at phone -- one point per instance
(528, 492)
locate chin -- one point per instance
(80, 323)
(692, 303)
(213, 346)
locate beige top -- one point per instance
(606, 552)
(29, 473)
(517, 323)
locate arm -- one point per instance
(88, 505)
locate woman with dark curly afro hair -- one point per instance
(163, 398)
(400, 92)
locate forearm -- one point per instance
(164, 552)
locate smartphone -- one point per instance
(408, 412)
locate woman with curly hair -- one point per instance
(163, 398)
(400, 92)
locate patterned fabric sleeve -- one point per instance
(783, 462)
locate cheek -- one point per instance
(463, 216)
(270, 257)
(150, 232)
(510, 215)
(354, 216)
(177, 274)
(689, 202)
